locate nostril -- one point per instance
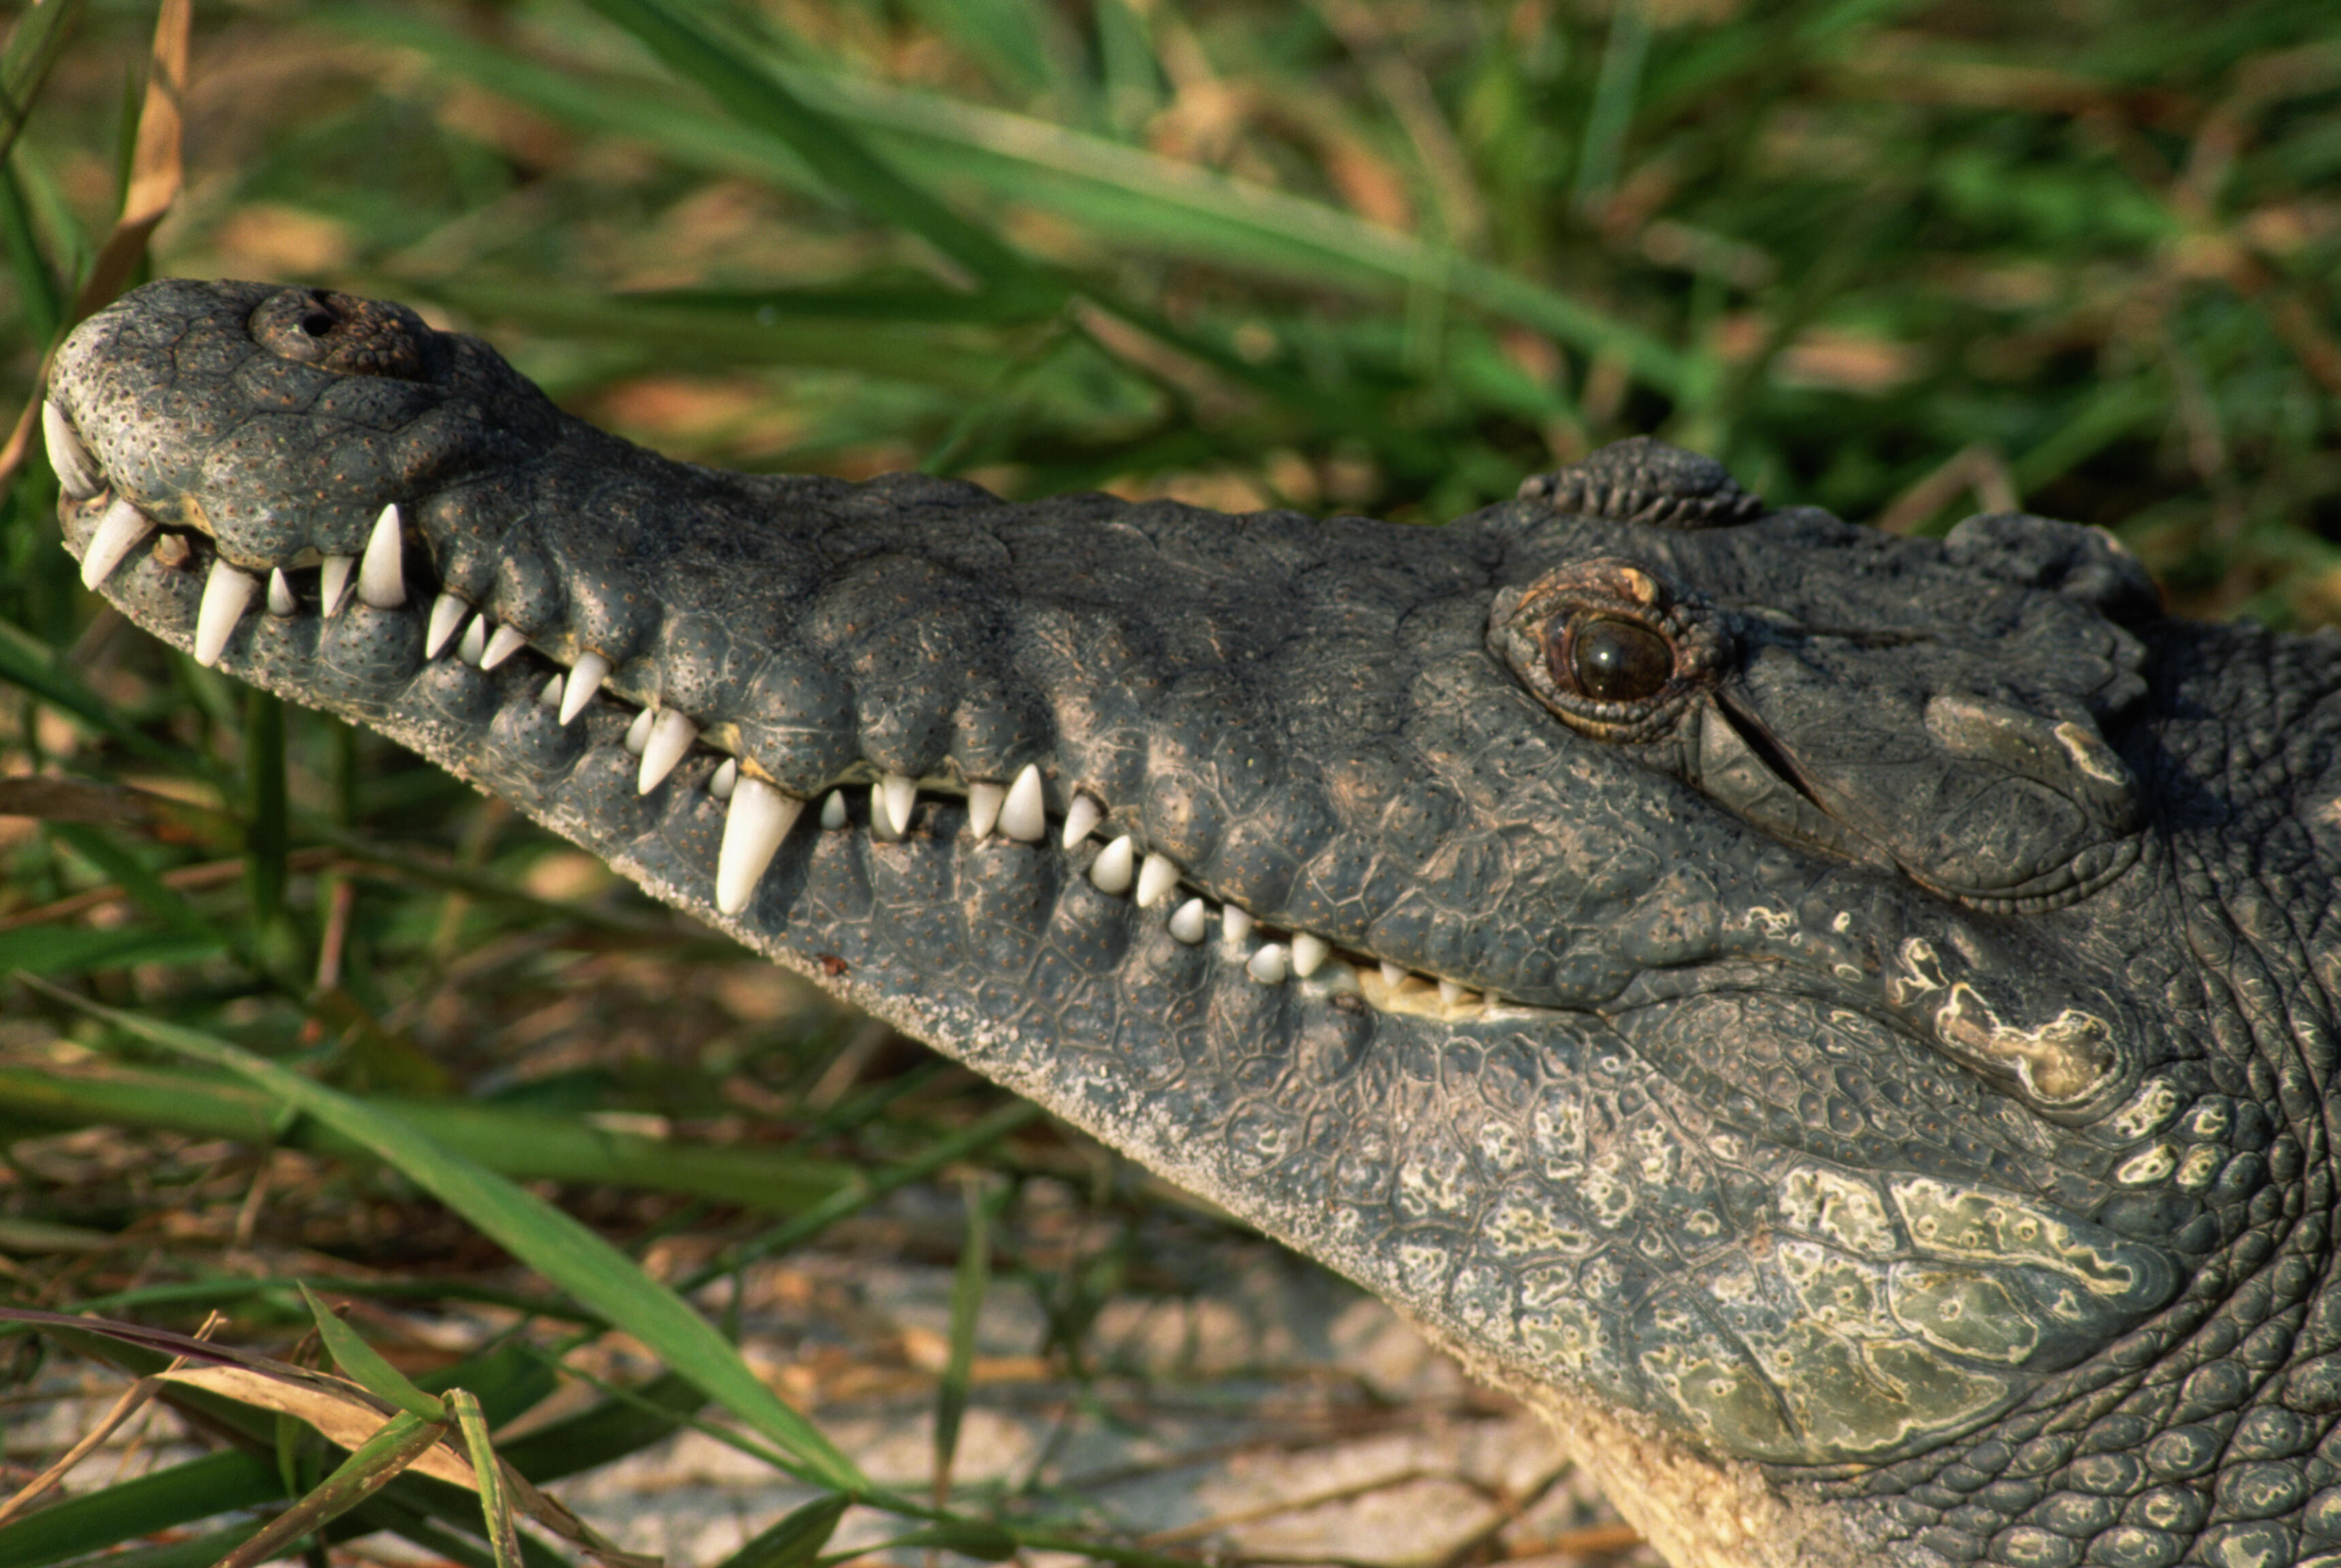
(317, 324)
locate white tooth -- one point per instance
(551, 696)
(1393, 974)
(1309, 953)
(447, 612)
(228, 593)
(668, 744)
(833, 810)
(1022, 815)
(638, 733)
(726, 779)
(1157, 876)
(1268, 965)
(502, 646)
(1115, 865)
(281, 601)
(983, 804)
(381, 574)
(901, 800)
(586, 678)
(1235, 925)
(1186, 921)
(76, 473)
(1080, 818)
(759, 818)
(474, 645)
(333, 583)
(117, 534)
(882, 826)
(1449, 994)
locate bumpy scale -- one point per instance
(1843, 1025)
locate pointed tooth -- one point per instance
(228, 593)
(1081, 819)
(550, 695)
(117, 534)
(447, 612)
(638, 733)
(901, 800)
(333, 583)
(1309, 951)
(1235, 925)
(1269, 964)
(1393, 974)
(381, 574)
(586, 678)
(1115, 865)
(1023, 815)
(502, 646)
(833, 810)
(983, 804)
(281, 601)
(1186, 921)
(668, 744)
(1449, 994)
(474, 644)
(882, 825)
(76, 473)
(1157, 878)
(725, 780)
(758, 819)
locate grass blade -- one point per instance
(164, 1499)
(34, 46)
(377, 1462)
(364, 1365)
(831, 150)
(597, 1275)
(522, 1145)
(795, 1539)
(970, 1282)
(495, 1502)
(266, 836)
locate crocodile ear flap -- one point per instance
(2080, 562)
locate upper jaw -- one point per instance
(321, 521)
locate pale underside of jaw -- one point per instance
(758, 816)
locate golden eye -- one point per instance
(1612, 661)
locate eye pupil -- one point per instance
(1614, 661)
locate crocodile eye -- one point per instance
(1614, 661)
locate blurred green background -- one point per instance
(1895, 257)
(1907, 259)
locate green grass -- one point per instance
(1901, 259)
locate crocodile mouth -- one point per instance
(388, 596)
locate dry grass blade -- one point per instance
(341, 1415)
(134, 1399)
(1975, 468)
(157, 167)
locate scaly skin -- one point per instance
(1878, 1102)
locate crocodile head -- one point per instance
(1785, 998)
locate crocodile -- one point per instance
(1841, 1024)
